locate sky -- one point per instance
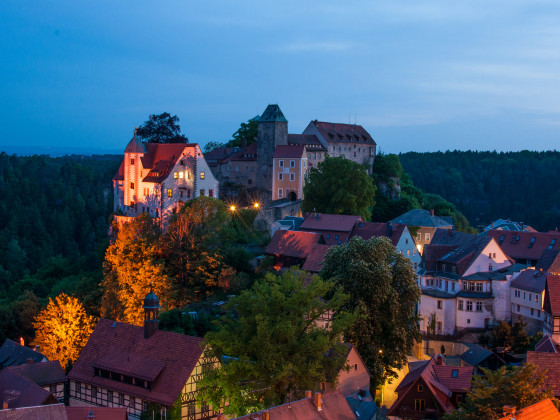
(419, 76)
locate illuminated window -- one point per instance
(170, 193)
(175, 175)
(181, 175)
(202, 175)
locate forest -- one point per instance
(485, 186)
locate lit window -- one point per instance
(181, 175)
(202, 175)
(175, 175)
(170, 193)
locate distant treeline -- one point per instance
(522, 186)
(54, 219)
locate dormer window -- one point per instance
(552, 243)
(454, 373)
(533, 239)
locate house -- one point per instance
(48, 375)
(398, 234)
(124, 365)
(422, 225)
(549, 362)
(335, 228)
(525, 247)
(155, 178)
(317, 406)
(353, 378)
(480, 357)
(543, 410)
(13, 354)
(549, 262)
(465, 283)
(527, 298)
(551, 307)
(288, 172)
(508, 225)
(314, 261)
(290, 247)
(215, 156)
(431, 390)
(96, 413)
(18, 391)
(239, 167)
(350, 141)
(39, 412)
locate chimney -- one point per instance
(439, 360)
(432, 212)
(21, 341)
(308, 393)
(266, 415)
(509, 410)
(317, 401)
(38, 348)
(29, 361)
(5, 405)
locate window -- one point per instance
(110, 396)
(536, 298)
(460, 305)
(210, 193)
(132, 161)
(454, 373)
(355, 366)
(252, 169)
(145, 406)
(94, 392)
(202, 193)
(419, 405)
(532, 310)
(281, 163)
(518, 308)
(453, 286)
(469, 305)
(415, 266)
(280, 176)
(132, 185)
(146, 191)
(414, 251)
(191, 408)
(52, 388)
(556, 324)
(236, 168)
(78, 387)
(202, 175)
(427, 236)
(538, 314)
(478, 306)
(418, 236)
(132, 402)
(336, 237)
(408, 252)
(478, 287)
(420, 388)
(121, 399)
(292, 163)
(292, 177)
(328, 235)
(439, 304)
(530, 296)
(468, 321)
(170, 193)
(181, 175)
(280, 192)
(175, 175)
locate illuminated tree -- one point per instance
(63, 329)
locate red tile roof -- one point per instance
(332, 222)
(543, 410)
(112, 341)
(248, 154)
(549, 362)
(551, 302)
(120, 173)
(370, 230)
(343, 133)
(292, 243)
(333, 407)
(41, 412)
(44, 373)
(314, 261)
(19, 391)
(286, 152)
(522, 248)
(99, 413)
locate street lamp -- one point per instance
(256, 205)
(232, 208)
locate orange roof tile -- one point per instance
(292, 243)
(314, 261)
(543, 410)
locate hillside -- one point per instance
(484, 186)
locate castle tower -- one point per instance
(272, 132)
(151, 313)
(134, 151)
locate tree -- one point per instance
(211, 145)
(270, 345)
(380, 282)
(516, 386)
(501, 335)
(519, 336)
(63, 329)
(161, 128)
(246, 134)
(339, 186)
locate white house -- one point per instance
(527, 298)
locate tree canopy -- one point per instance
(63, 329)
(161, 128)
(246, 134)
(516, 386)
(271, 345)
(381, 283)
(339, 186)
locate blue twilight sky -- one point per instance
(418, 75)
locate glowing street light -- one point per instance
(232, 208)
(256, 205)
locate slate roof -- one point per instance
(272, 113)
(333, 407)
(362, 404)
(547, 345)
(111, 342)
(21, 392)
(217, 154)
(475, 354)
(343, 133)
(551, 302)
(499, 274)
(293, 243)
(309, 140)
(543, 410)
(289, 151)
(508, 225)
(549, 261)
(368, 230)
(13, 354)
(99, 413)
(447, 236)
(314, 261)
(519, 245)
(530, 280)
(423, 218)
(135, 145)
(549, 362)
(249, 154)
(45, 373)
(330, 222)
(41, 412)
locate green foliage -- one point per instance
(486, 186)
(211, 145)
(247, 132)
(161, 128)
(516, 386)
(177, 321)
(270, 345)
(155, 412)
(501, 335)
(381, 283)
(386, 167)
(339, 186)
(516, 337)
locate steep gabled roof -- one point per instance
(543, 410)
(422, 218)
(475, 354)
(314, 261)
(120, 173)
(272, 113)
(521, 245)
(135, 145)
(248, 154)
(547, 345)
(290, 151)
(530, 280)
(343, 133)
(368, 230)
(330, 222)
(156, 152)
(549, 261)
(13, 354)
(293, 243)
(551, 302)
(116, 344)
(44, 373)
(19, 391)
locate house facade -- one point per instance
(551, 307)
(156, 178)
(527, 299)
(288, 172)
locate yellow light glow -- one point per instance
(256, 205)
(232, 208)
